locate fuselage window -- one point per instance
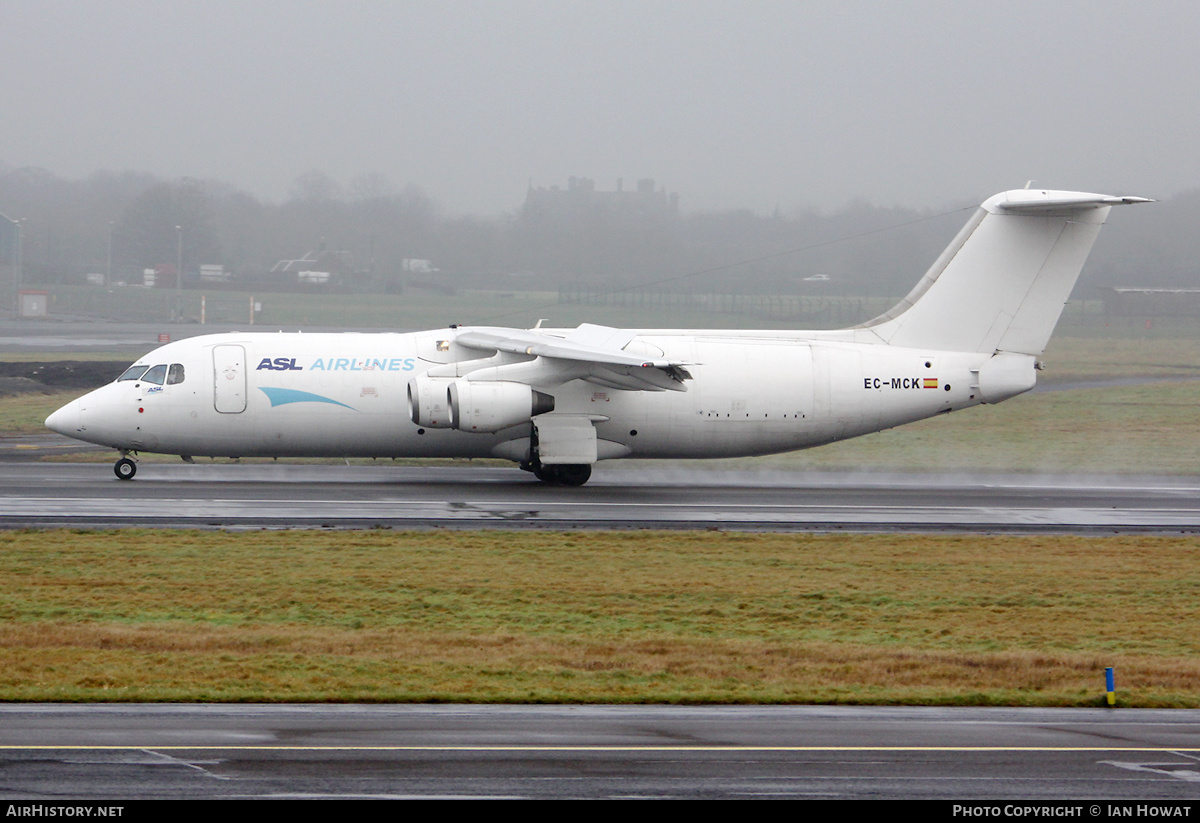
(133, 373)
(175, 374)
(156, 375)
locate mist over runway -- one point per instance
(227, 495)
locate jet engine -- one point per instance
(492, 405)
(428, 401)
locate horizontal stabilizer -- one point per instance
(1025, 201)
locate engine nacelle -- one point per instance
(429, 401)
(492, 405)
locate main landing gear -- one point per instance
(125, 468)
(562, 475)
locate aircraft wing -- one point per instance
(592, 353)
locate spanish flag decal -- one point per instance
(929, 383)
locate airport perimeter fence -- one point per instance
(673, 309)
(809, 311)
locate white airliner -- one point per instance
(558, 400)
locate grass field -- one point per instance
(682, 617)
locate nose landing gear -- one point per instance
(125, 468)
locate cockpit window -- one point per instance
(133, 373)
(175, 374)
(156, 375)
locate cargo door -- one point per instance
(229, 378)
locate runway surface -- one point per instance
(158, 751)
(476, 496)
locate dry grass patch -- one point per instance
(596, 617)
(26, 413)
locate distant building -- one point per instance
(317, 267)
(580, 197)
(416, 265)
(213, 273)
(32, 302)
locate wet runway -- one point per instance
(194, 751)
(226, 495)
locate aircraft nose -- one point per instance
(65, 420)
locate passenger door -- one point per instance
(229, 378)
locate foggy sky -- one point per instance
(752, 105)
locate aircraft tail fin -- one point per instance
(1001, 285)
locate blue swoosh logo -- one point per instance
(279, 397)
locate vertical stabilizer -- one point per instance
(1001, 285)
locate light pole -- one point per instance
(179, 277)
(17, 273)
(108, 274)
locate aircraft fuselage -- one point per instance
(346, 395)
